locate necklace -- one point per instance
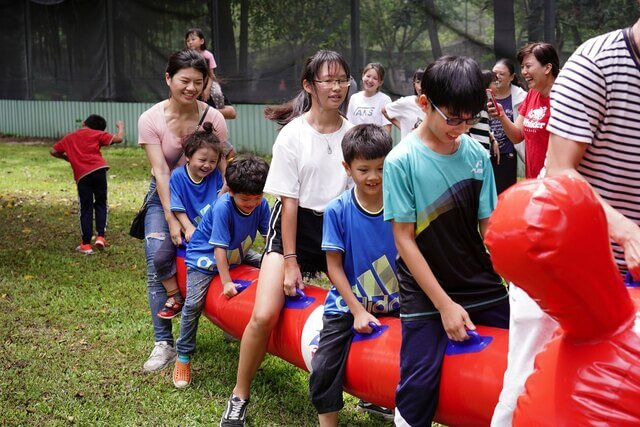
(329, 149)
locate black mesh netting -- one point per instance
(92, 50)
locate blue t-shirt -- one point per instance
(504, 143)
(368, 255)
(193, 198)
(225, 226)
(444, 196)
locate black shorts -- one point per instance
(311, 257)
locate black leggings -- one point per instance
(92, 195)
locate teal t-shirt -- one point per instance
(444, 196)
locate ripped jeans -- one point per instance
(156, 231)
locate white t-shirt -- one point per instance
(307, 165)
(368, 109)
(407, 112)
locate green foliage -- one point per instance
(75, 329)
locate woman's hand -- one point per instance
(188, 232)
(175, 231)
(495, 111)
(292, 277)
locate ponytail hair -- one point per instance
(204, 138)
(301, 103)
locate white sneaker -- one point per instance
(162, 356)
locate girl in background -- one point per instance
(366, 105)
(405, 113)
(194, 39)
(306, 173)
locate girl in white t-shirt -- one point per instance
(366, 105)
(405, 113)
(306, 173)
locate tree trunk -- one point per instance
(504, 36)
(432, 28)
(228, 58)
(244, 38)
(535, 28)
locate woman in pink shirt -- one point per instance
(161, 130)
(540, 66)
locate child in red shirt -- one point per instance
(82, 149)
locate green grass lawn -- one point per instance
(76, 329)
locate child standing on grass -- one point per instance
(361, 256)
(194, 39)
(306, 174)
(439, 192)
(82, 149)
(366, 105)
(194, 189)
(222, 241)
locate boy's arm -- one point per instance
(187, 225)
(228, 287)
(335, 271)
(454, 318)
(59, 154)
(118, 137)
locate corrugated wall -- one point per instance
(250, 131)
(53, 119)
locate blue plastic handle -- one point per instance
(241, 285)
(474, 344)
(377, 330)
(629, 282)
(300, 301)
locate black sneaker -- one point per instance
(369, 407)
(235, 413)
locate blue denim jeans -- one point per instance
(197, 287)
(156, 231)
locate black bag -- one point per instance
(137, 225)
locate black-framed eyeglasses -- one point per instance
(329, 84)
(455, 121)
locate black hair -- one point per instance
(512, 71)
(544, 53)
(204, 138)
(187, 58)
(455, 83)
(488, 76)
(365, 142)
(417, 77)
(247, 174)
(198, 32)
(95, 122)
(301, 103)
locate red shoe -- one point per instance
(171, 309)
(85, 249)
(100, 243)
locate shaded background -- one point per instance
(116, 50)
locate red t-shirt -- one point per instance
(83, 150)
(536, 110)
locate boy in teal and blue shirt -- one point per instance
(361, 259)
(439, 192)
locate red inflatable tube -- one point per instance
(550, 236)
(471, 381)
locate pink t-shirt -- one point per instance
(152, 129)
(536, 110)
(83, 150)
(210, 59)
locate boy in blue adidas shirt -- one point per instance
(222, 241)
(361, 265)
(439, 192)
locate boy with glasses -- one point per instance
(439, 192)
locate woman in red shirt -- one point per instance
(540, 66)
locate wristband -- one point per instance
(286, 256)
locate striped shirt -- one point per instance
(596, 100)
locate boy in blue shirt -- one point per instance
(439, 192)
(221, 242)
(361, 258)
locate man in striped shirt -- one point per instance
(595, 111)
